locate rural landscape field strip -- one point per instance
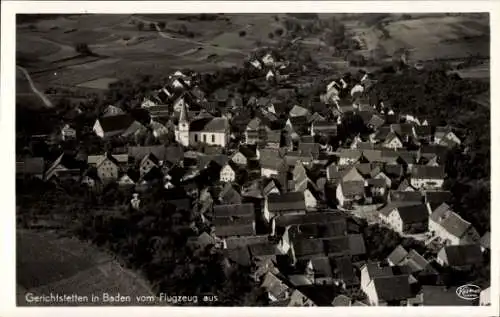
(168, 36)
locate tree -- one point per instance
(152, 26)
(140, 26)
(278, 32)
(83, 49)
(242, 33)
(161, 25)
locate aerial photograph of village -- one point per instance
(253, 159)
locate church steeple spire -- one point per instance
(183, 118)
(182, 131)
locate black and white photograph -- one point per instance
(252, 159)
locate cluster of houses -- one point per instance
(282, 202)
(276, 69)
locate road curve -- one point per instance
(40, 94)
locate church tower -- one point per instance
(182, 135)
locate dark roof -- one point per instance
(66, 160)
(219, 159)
(390, 136)
(436, 198)
(460, 255)
(172, 154)
(397, 195)
(450, 221)
(376, 182)
(382, 132)
(308, 247)
(403, 128)
(365, 169)
(209, 125)
(376, 121)
(345, 269)
(221, 94)
(375, 270)
(237, 210)
(298, 122)
(298, 111)
(337, 245)
(322, 230)
(393, 170)
(240, 255)
(232, 221)
(91, 172)
(182, 204)
(263, 249)
(353, 188)
(441, 296)
(273, 162)
(428, 172)
(387, 209)
(151, 157)
(407, 157)
(398, 255)
(372, 155)
(229, 230)
(405, 184)
(235, 242)
(290, 201)
(273, 136)
(356, 244)
(416, 262)
(271, 184)
(322, 267)
(154, 173)
(349, 153)
(310, 148)
(133, 174)
(423, 130)
(294, 156)
(248, 151)
(315, 117)
(325, 127)
(116, 123)
(413, 214)
(393, 288)
(229, 195)
(311, 218)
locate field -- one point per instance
(426, 37)
(481, 72)
(46, 263)
(124, 49)
(101, 83)
(126, 46)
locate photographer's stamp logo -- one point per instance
(468, 292)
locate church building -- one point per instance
(204, 129)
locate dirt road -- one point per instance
(40, 94)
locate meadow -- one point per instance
(126, 46)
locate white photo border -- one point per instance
(7, 134)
